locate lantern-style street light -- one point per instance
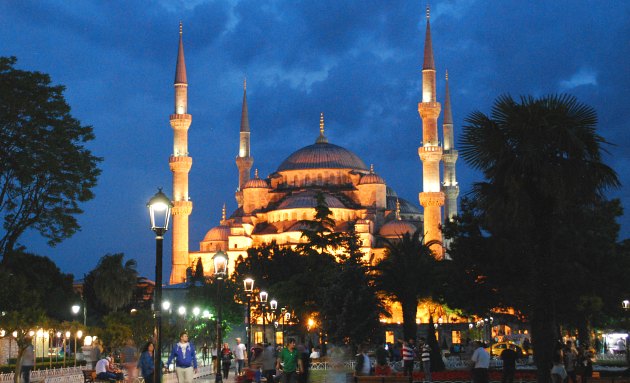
(220, 260)
(160, 213)
(263, 302)
(249, 290)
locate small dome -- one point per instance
(371, 178)
(256, 183)
(217, 233)
(396, 228)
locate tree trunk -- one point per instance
(409, 309)
(18, 366)
(544, 335)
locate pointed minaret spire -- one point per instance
(223, 213)
(180, 69)
(429, 63)
(180, 164)
(448, 116)
(371, 168)
(397, 209)
(322, 138)
(244, 160)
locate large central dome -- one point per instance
(322, 155)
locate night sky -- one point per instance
(359, 62)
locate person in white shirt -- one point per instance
(481, 358)
(240, 354)
(362, 366)
(105, 371)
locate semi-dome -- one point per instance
(217, 233)
(256, 183)
(308, 199)
(371, 178)
(322, 155)
(396, 228)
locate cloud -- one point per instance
(583, 77)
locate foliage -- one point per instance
(45, 168)
(115, 332)
(114, 282)
(535, 223)
(21, 323)
(33, 281)
(406, 274)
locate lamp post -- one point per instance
(263, 301)
(160, 213)
(273, 305)
(78, 335)
(285, 318)
(220, 260)
(64, 347)
(249, 289)
(625, 304)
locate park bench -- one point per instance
(89, 376)
(382, 379)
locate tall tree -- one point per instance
(541, 161)
(45, 168)
(406, 274)
(114, 282)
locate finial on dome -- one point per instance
(397, 209)
(447, 75)
(256, 173)
(371, 168)
(322, 138)
(181, 29)
(428, 11)
(223, 213)
(245, 83)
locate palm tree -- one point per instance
(114, 282)
(541, 160)
(405, 274)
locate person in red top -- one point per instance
(408, 356)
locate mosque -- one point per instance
(274, 207)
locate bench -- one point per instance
(89, 376)
(383, 379)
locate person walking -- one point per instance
(269, 363)
(481, 358)
(240, 354)
(226, 360)
(146, 363)
(509, 356)
(570, 360)
(362, 365)
(185, 359)
(289, 362)
(408, 357)
(130, 359)
(425, 357)
(28, 360)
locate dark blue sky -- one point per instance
(357, 61)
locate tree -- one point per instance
(542, 166)
(45, 168)
(21, 323)
(114, 282)
(406, 274)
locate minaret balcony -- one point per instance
(450, 156)
(180, 121)
(430, 153)
(180, 164)
(429, 109)
(432, 199)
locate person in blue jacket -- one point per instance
(185, 359)
(146, 365)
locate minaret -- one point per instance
(450, 185)
(431, 198)
(244, 161)
(180, 164)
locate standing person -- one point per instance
(509, 356)
(570, 360)
(130, 359)
(240, 354)
(362, 366)
(382, 368)
(481, 358)
(28, 360)
(97, 349)
(425, 356)
(289, 362)
(269, 363)
(305, 357)
(204, 352)
(558, 373)
(185, 359)
(226, 359)
(408, 357)
(146, 363)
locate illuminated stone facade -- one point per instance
(274, 207)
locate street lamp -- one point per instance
(160, 213)
(263, 300)
(77, 308)
(285, 318)
(273, 305)
(220, 260)
(67, 338)
(77, 336)
(249, 289)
